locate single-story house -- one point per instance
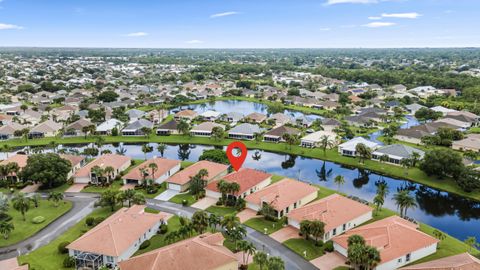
(77, 162)
(165, 168)
(48, 128)
(396, 153)
(186, 115)
(330, 124)
(398, 241)
(314, 139)
(283, 196)
(255, 117)
(463, 261)
(7, 131)
(244, 131)
(233, 117)
(413, 108)
(442, 109)
(116, 238)
(119, 163)
(280, 119)
(135, 114)
(276, 134)
(205, 129)
(304, 121)
(204, 252)
(181, 180)
(75, 128)
(210, 115)
(249, 180)
(20, 160)
(168, 128)
(135, 128)
(349, 148)
(411, 135)
(106, 127)
(471, 142)
(454, 122)
(338, 213)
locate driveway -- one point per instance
(127, 186)
(31, 188)
(76, 188)
(166, 195)
(204, 203)
(284, 234)
(329, 261)
(246, 215)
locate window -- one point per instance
(295, 205)
(334, 231)
(344, 227)
(408, 257)
(400, 260)
(109, 259)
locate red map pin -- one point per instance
(236, 161)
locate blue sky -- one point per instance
(240, 23)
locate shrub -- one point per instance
(38, 220)
(328, 247)
(98, 220)
(145, 244)
(184, 202)
(163, 229)
(62, 247)
(69, 262)
(90, 221)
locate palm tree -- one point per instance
(339, 180)
(260, 258)
(144, 173)
(121, 151)
(415, 158)
(317, 229)
(363, 152)
(109, 172)
(6, 228)
(35, 198)
(325, 143)
(230, 221)
(99, 141)
(471, 242)
(138, 198)
(183, 127)
(56, 197)
(146, 149)
(98, 172)
(257, 137)
(161, 148)
(404, 201)
(213, 221)
(21, 204)
(200, 221)
(406, 164)
(153, 168)
(247, 249)
(275, 263)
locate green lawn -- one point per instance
(259, 224)
(25, 229)
(300, 245)
(220, 210)
(183, 196)
(47, 257)
(160, 190)
(276, 178)
(158, 241)
(185, 164)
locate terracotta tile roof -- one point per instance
(116, 161)
(334, 210)
(163, 164)
(246, 178)
(392, 237)
(118, 232)
(203, 252)
(183, 176)
(186, 113)
(282, 194)
(21, 160)
(74, 159)
(462, 261)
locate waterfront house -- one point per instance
(168, 128)
(119, 163)
(116, 238)
(396, 153)
(48, 128)
(314, 139)
(329, 124)
(249, 180)
(205, 129)
(255, 117)
(471, 142)
(233, 117)
(276, 134)
(106, 127)
(165, 168)
(282, 196)
(349, 148)
(186, 115)
(8, 130)
(75, 128)
(338, 213)
(204, 252)
(136, 128)
(244, 131)
(280, 119)
(398, 241)
(181, 180)
(463, 261)
(210, 115)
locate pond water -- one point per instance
(455, 215)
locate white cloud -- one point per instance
(410, 15)
(223, 14)
(6, 26)
(374, 18)
(137, 34)
(194, 41)
(334, 2)
(379, 24)
(325, 29)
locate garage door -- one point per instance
(174, 186)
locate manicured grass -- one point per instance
(185, 164)
(158, 241)
(276, 178)
(25, 229)
(260, 223)
(184, 196)
(47, 257)
(220, 210)
(230, 245)
(413, 174)
(300, 245)
(161, 189)
(116, 185)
